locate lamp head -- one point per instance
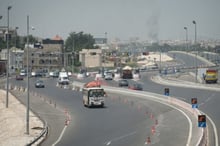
(9, 7)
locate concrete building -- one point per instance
(15, 59)
(49, 56)
(90, 58)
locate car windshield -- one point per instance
(39, 81)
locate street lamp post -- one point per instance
(7, 37)
(16, 62)
(194, 22)
(186, 38)
(27, 112)
(73, 56)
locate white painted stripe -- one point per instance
(214, 127)
(164, 102)
(61, 135)
(120, 138)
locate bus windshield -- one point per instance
(96, 93)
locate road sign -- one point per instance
(194, 103)
(202, 121)
(167, 91)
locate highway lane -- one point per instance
(188, 60)
(208, 100)
(118, 123)
(124, 121)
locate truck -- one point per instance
(127, 73)
(211, 76)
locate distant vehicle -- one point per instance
(63, 78)
(127, 73)
(23, 72)
(39, 84)
(19, 77)
(211, 76)
(93, 97)
(108, 76)
(54, 74)
(136, 86)
(122, 83)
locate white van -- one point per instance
(63, 78)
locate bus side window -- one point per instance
(90, 94)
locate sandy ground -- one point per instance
(13, 122)
(153, 57)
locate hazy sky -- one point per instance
(145, 19)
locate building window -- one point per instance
(92, 53)
(41, 61)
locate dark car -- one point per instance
(122, 83)
(136, 86)
(39, 84)
(19, 77)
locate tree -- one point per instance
(78, 41)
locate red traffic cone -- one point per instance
(153, 129)
(148, 141)
(151, 116)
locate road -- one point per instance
(208, 100)
(124, 120)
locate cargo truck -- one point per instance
(211, 76)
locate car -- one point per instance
(19, 77)
(39, 84)
(123, 82)
(108, 76)
(136, 86)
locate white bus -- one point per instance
(94, 96)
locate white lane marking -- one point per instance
(120, 138)
(61, 135)
(154, 98)
(209, 98)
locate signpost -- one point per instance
(167, 91)
(194, 103)
(202, 121)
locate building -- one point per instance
(15, 59)
(90, 58)
(101, 42)
(3, 32)
(49, 56)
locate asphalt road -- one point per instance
(124, 121)
(208, 100)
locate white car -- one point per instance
(108, 76)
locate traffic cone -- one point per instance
(66, 122)
(148, 141)
(151, 116)
(153, 130)
(156, 122)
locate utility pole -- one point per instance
(8, 59)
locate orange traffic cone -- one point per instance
(156, 122)
(148, 141)
(151, 116)
(153, 130)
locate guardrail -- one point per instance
(43, 133)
